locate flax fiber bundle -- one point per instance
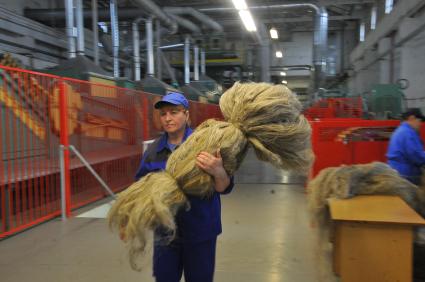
(364, 179)
(348, 181)
(266, 116)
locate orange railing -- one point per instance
(107, 124)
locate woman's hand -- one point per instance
(213, 165)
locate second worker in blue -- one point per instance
(406, 151)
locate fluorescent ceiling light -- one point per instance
(362, 32)
(284, 82)
(279, 54)
(282, 73)
(373, 17)
(240, 4)
(388, 6)
(273, 33)
(247, 20)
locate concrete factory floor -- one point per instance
(266, 237)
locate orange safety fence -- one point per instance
(106, 124)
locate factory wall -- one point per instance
(394, 51)
(350, 36)
(407, 63)
(298, 51)
(413, 69)
(18, 6)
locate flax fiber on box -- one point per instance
(364, 179)
(266, 116)
(349, 181)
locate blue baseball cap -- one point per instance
(173, 98)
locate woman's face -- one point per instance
(173, 118)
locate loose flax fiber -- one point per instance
(364, 179)
(266, 116)
(349, 181)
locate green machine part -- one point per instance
(125, 83)
(386, 101)
(155, 86)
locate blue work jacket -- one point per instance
(203, 220)
(406, 152)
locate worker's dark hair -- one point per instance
(413, 112)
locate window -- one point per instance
(103, 26)
(388, 6)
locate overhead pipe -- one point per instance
(319, 38)
(115, 37)
(186, 60)
(171, 20)
(163, 32)
(208, 21)
(136, 48)
(262, 7)
(262, 38)
(69, 8)
(196, 63)
(169, 69)
(106, 41)
(203, 70)
(249, 58)
(172, 46)
(265, 62)
(264, 52)
(320, 34)
(186, 24)
(48, 15)
(95, 32)
(320, 42)
(292, 67)
(158, 50)
(152, 8)
(149, 47)
(183, 22)
(80, 27)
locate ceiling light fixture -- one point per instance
(247, 20)
(240, 4)
(279, 54)
(273, 33)
(245, 15)
(282, 73)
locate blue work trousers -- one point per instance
(196, 260)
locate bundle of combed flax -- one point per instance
(266, 116)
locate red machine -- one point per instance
(341, 136)
(349, 141)
(336, 108)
